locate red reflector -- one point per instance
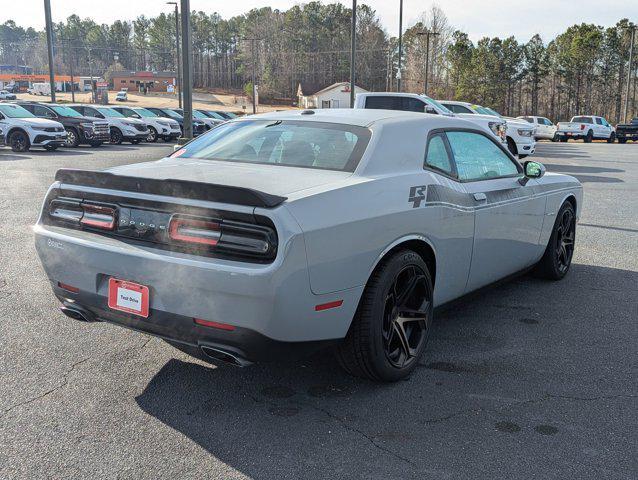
(68, 288)
(326, 306)
(194, 231)
(98, 216)
(209, 323)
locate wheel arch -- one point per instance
(417, 243)
(15, 129)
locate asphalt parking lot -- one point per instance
(527, 379)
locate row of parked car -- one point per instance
(26, 124)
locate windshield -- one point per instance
(172, 114)
(15, 111)
(142, 112)
(292, 143)
(107, 112)
(197, 114)
(214, 115)
(485, 111)
(438, 105)
(65, 111)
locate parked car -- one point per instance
(218, 114)
(6, 95)
(80, 130)
(199, 127)
(412, 102)
(197, 115)
(158, 126)
(544, 128)
(121, 96)
(627, 131)
(40, 88)
(586, 127)
(520, 135)
(285, 232)
(121, 129)
(2, 137)
(23, 130)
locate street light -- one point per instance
(253, 40)
(427, 34)
(49, 27)
(630, 69)
(178, 87)
(400, 44)
(353, 48)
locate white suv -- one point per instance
(122, 129)
(520, 135)
(24, 130)
(158, 127)
(544, 128)
(412, 102)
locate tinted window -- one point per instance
(458, 108)
(582, 120)
(547, 122)
(599, 121)
(530, 119)
(40, 111)
(405, 104)
(437, 156)
(292, 143)
(478, 158)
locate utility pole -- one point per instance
(253, 72)
(353, 49)
(178, 87)
(629, 70)
(400, 44)
(427, 35)
(187, 73)
(49, 27)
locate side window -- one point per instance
(437, 156)
(478, 158)
(413, 105)
(599, 121)
(458, 108)
(384, 103)
(39, 111)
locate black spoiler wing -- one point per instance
(170, 187)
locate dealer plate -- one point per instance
(128, 297)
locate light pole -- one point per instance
(629, 70)
(49, 26)
(427, 35)
(253, 74)
(178, 87)
(400, 44)
(353, 48)
(187, 73)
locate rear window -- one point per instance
(582, 120)
(291, 143)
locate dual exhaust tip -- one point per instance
(76, 312)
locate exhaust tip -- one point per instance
(77, 313)
(225, 356)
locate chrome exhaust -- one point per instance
(225, 356)
(77, 313)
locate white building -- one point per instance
(336, 95)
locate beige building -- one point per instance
(336, 95)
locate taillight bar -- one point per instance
(87, 214)
(98, 216)
(190, 230)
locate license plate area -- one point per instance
(128, 297)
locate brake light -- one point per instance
(190, 230)
(98, 216)
(329, 305)
(582, 127)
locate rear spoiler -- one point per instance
(174, 188)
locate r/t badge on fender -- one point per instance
(417, 195)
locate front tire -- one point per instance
(116, 136)
(152, 135)
(560, 249)
(612, 138)
(19, 142)
(511, 146)
(392, 324)
(72, 138)
(589, 137)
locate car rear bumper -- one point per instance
(273, 301)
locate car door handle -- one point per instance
(480, 197)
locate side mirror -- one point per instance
(532, 170)
(429, 109)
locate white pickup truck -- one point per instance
(412, 102)
(587, 127)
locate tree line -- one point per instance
(582, 70)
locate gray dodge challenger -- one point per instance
(279, 234)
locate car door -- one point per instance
(508, 213)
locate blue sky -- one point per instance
(477, 17)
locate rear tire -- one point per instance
(612, 138)
(589, 137)
(560, 249)
(390, 329)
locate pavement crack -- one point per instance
(65, 381)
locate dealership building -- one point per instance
(136, 81)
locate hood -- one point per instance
(480, 116)
(41, 122)
(522, 124)
(272, 179)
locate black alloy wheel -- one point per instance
(152, 135)
(116, 136)
(589, 137)
(390, 329)
(405, 316)
(19, 142)
(560, 249)
(72, 138)
(612, 138)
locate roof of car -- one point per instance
(358, 116)
(456, 102)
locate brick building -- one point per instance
(136, 81)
